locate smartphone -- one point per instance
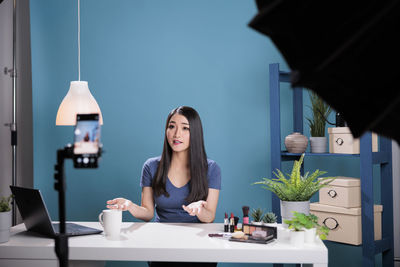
(86, 140)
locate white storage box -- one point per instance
(342, 192)
(345, 223)
(341, 141)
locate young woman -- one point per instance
(182, 185)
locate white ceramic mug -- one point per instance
(111, 220)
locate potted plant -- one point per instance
(296, 190)
(297, 232)
(310, 226)
(317, 229)
(310, 223)
(269, 219)
(5, 218)
(257, 215)
(320, 113)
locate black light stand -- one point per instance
(13, 124)
(61, 239)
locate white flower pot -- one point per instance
(271, 224)
(5, 225)
(297, 238)
(318, 144)
(283, 234)
(287, 208)
(309, 235)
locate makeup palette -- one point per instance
(257, 234)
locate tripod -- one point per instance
(61, 239)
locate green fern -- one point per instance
(295, 187)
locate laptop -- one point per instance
(36, 217)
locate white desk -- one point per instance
(156, 242)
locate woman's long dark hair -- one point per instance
(197, 158)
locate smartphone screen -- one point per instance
(87, 134)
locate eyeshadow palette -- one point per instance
(250, 239)
(251, 229)
(257, 234)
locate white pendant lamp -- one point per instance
(78, 100)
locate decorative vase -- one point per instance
(5, 225)
(297, 238)
(296, 143)
(318, 144)
(287, 208)
(309, 235)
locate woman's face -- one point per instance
(178, 133)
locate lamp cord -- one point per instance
(79, 41)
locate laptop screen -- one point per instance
(36, 216)
(33, 210)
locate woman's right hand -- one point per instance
(119, 204)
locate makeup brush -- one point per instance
(245, 214)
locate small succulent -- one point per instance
(5, 203)
(257, 214)
(269, 217)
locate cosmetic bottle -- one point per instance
(226, 223)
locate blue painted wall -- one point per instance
(142, 59)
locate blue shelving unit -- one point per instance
(383, 158)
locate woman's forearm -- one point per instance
(140, 212)
(206, 215)
(209, 208)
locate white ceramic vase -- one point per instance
(309, 235)
(5, 225)
(296, 143)
(297, 238)
(287, 208)
(318, 144)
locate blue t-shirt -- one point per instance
(169, 209)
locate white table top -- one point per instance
(161, 242)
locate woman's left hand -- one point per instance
(195, 208)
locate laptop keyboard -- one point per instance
(73, 229)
